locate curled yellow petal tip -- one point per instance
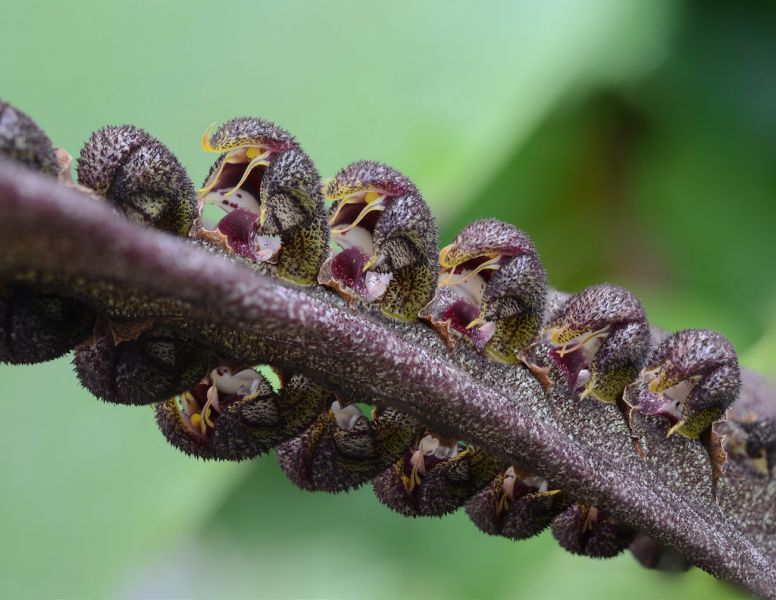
(206, 139)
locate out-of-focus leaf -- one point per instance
(762, 355)
(438, 89)
(704, 189)
(292, 544)
(87, 487)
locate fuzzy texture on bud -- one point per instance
(140, 177)
(343, 449)
(270, 190)
(150, 368)
(590, 531)
(233, 414)
(388, 239)
(600, 338)
(23, 141)
(492, 290)
(516, 505)
(36, 325)
(690, 379)
(435, 477)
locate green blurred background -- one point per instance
(634, 141)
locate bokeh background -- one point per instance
(634, 141)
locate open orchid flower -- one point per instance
(234, 414)
(690, 379)
(492, 289)
(599, 339)
(270, 190)
(434, 477)
(387, 238)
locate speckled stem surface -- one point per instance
(55, 234)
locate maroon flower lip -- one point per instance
(459, 315)
(458, 304)
(235, 186)
(239, 226)
(659, 405)
(348, 268)
(353, 224)
(571, 363)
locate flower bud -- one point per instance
(149, 367)
(590, 531)
(36, 324)
(140, 177)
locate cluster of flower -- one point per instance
(367, 236)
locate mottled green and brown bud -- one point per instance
(516, 505)
(36, 325)
(599, 338)
(651, 554)
(435, 477)
(690, 379)
(590, 531)
(145, 182)
(23, 141)
(387, 237)
(492, 289)
(151, 366)
(138, 175)
(270, 190)
(760, 445)
(343, 449)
